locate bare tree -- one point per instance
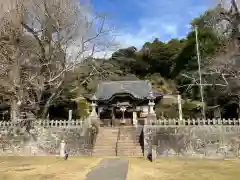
(46, 40)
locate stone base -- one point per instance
(96, 121)
(151, 118)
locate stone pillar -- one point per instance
(154, 152)
(70, 115)
(62, 148)
(179, 98)
(134, 118)
(146, 145)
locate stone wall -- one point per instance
(44, 138)
(215, 141)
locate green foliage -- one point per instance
(160, 84)
(83, 107)
(206, 20)
(187, 58)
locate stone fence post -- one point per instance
(154, 152)
(145, 143)
(62, 148)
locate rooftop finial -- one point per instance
(151, 96)
(94, 98)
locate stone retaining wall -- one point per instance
(217, 141)
(45, 138)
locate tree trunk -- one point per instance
(45, 109)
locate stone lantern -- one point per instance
(151, 103)
(93, 116)
(151, 113)
(94, 105)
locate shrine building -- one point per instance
(124, 102)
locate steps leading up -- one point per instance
(106, 142)
(128, 144)
(117, 141)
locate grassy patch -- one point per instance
(178, 169)
(46, 168)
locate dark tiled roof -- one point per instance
(139, 89)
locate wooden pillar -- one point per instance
(113, 117)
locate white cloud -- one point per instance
(162, 20)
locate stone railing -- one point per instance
(193, 122)
(47, 123)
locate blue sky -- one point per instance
(138, 21)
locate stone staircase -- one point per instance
(128, 142)
(117, 141)
(106, 142)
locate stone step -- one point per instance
(107, 131)
(106, 138)
(130, 154)
(105, 147)
(108, 134)
(128, 150)
(127, 139)
(103, 150)
(128, 146)
(124, 142)
(106, 142)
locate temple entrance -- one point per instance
(123, 102)
(115, 116)
(124, 115)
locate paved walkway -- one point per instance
(110, 169)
